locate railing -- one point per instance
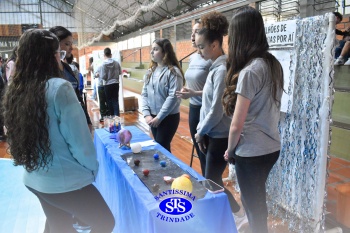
(186, 57)
(140, 66)
(132, 53)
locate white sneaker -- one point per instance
(347, 63)
(339, 61)
(240, 221)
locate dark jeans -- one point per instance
(252, 173)
(338, 50)
(103, 102)
(193, 120)
(86, 204)
(216, 164)
(166, 130)
(112, 96)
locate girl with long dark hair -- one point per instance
(254, 86)
(160, 106)
(213, 127)
(47, 137)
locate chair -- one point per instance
(193, 155)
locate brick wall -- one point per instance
(343, 26)
(182, 49)
(130, 55)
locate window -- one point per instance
(168, 33)
(183, 31)
(279, 9)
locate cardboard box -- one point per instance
(131, 104)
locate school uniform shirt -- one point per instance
(260, 131)
(110, 71)
(159, 92)
(196, 75)
(213, 121)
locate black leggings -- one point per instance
(85, 204)
(166, 130)
(252, 173)
(216, 164)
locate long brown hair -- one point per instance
(169, 59)
(247, 41)
(25, 103)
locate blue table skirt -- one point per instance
(135, 208)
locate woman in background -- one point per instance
(254, 86)
(213, 128)
(66, 43)
(10, 66)
(195, 76)
(47, 138)
(160, 106)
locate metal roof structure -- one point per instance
(118, 18)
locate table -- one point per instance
(135, 208)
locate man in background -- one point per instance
(110, 73)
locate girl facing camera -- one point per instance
(48, 138)
(160, 105)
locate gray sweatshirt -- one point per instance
(110, 71)
(213, 120)
(158, 93)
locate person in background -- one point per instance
(10, 66)
(213, 127)
(342, 51)
(160, 106)
(93, 80)
(254, 86)
(104, 111)
(2, 90)
(81, 79)
(1, 63)
(110, 72)
(47, 137)
(73, 65)
(343, 58)
(66, 43)
(195, 76)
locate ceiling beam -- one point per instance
(187, 3)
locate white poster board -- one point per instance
(281, 39)
(296, 184)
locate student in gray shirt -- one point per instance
(195, 76)
(160, 106)
(253, 96)
(110, 74)
(213, 127)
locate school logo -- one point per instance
(175, 206)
